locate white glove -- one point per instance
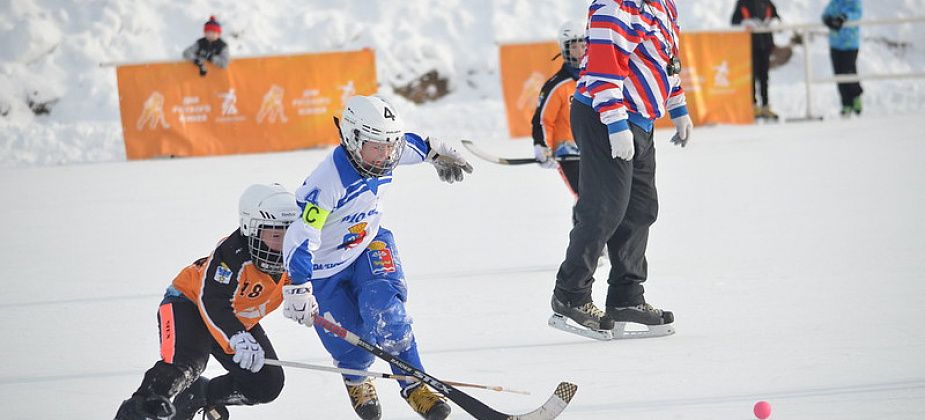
(544, 156)
(299, 304)
(684, 125)
(247, 351)
(621, 145)
(450, 164)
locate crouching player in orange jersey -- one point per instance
(213, 308)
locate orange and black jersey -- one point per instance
(551, 124)
(231, 293)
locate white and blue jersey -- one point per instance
(341, 212)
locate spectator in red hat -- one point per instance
(209, 48)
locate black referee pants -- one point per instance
(617, 204)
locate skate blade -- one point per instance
(560, 322)
(621, 332)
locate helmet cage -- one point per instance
(266, 259)
(374, 169)
(264, 207)
(572, 60)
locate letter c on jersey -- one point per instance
(315, 216)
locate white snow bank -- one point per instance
(50, 52)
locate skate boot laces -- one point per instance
(422, 400)
(592, 310)
(645, 307)
(363, 393)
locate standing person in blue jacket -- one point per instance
(339, 249)
(844, 43)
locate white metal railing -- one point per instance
(806, 29)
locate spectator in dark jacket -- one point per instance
(209, 48)
(754, 14)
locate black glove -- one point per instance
(202, 69)
(834, 22)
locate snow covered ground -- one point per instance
(792, 256)
(50, 50)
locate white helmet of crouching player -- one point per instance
(266, 212)
(373, 135)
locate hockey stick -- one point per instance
(343, 371)
(505, 161)
(548, 411)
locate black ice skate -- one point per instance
(656, 322)
(426, 403)
(590, 319)
(364, 399)
(139, 407)
(192, 400)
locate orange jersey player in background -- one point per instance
(553, 143)
(213, 307)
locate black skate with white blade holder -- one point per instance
(628, 321)
(617, 323)
(585, 320)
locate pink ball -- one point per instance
(762, 410)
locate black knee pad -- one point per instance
(265, 386)
(167, 379)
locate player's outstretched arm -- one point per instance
(450, 163)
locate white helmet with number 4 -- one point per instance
(371, 120)
(266, 212)
(572, 42)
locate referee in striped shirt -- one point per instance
(629, 78)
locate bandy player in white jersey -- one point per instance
(340, 250)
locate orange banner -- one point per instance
(255, 105)
(524, 70)
(716, 76)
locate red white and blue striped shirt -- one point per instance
(624, 72)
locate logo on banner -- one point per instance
(192, 111)
(272, 108)
(152, 113)
(229, 99)
(229, 107)
(311, 103)
(347, 91)
(531, 89)
(721, 75)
